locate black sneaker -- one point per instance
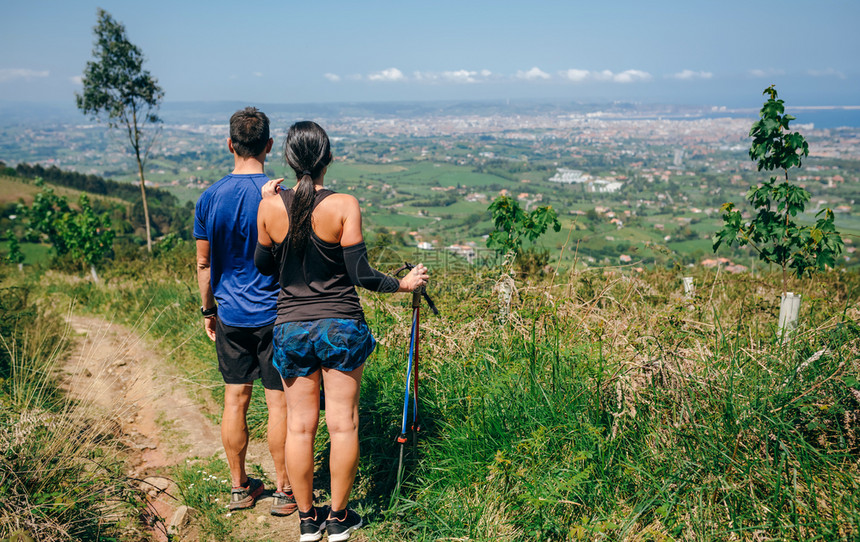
(341, 529)
(312, 526)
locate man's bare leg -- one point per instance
(276, 434)
(234, 429)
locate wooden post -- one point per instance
(789, 308)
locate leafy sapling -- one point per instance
(774, 232)
(513, 225)
(84, 235)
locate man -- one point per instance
(239, 305)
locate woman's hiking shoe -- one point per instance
(340, 525)
(312, 524)
(283, 504)
(245, 497)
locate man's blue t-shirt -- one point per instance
(226, 216)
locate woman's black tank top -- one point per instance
(315, 286)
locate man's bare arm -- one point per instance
(207, 298)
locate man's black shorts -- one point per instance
(245, 354)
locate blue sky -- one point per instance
(691, 52)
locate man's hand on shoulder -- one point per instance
(271, 188)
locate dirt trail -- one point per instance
(116, 370)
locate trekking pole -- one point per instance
(411, 367)
(416, 317)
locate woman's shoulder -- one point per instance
(344, 203)
(342, 197)
(271, 203)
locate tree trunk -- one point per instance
(145, 206)
(94, 274)
(134, 137)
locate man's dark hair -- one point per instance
(249, 132)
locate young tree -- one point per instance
(14, 255)
(773, 232)
(84, 236)
(512, 224)
(118, 89)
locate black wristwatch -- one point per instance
(208, 313)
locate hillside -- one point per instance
(599, 404)
(15, 189)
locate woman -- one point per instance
(311, 237)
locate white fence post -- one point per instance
(689, 288)
(789, 308)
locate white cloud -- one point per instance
(460, 76)
(453, 76)
(829, 72)
(333, 77)
(76, 80)
(391, 74)
(11, 74)
(766, 73)
(690, 74)
(604, 75)
(258, 74)
(628, 76)
(575, 75)
(533, 74)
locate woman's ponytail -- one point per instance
(308, 151)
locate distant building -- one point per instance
(568, 176)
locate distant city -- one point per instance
(633, 183)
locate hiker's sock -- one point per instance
(310, 514)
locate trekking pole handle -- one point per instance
(419, 292)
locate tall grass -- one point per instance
(62, 474)
(611, 408)
(605, 406)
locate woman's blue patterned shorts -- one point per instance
(301, 348)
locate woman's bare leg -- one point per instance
(341, 415)
(303, 412)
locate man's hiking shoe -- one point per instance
(340, 528)
(283, 504)
(245, 497)
(312, 524)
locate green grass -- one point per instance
(606, 407)
(62, 467)
(34, 253)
